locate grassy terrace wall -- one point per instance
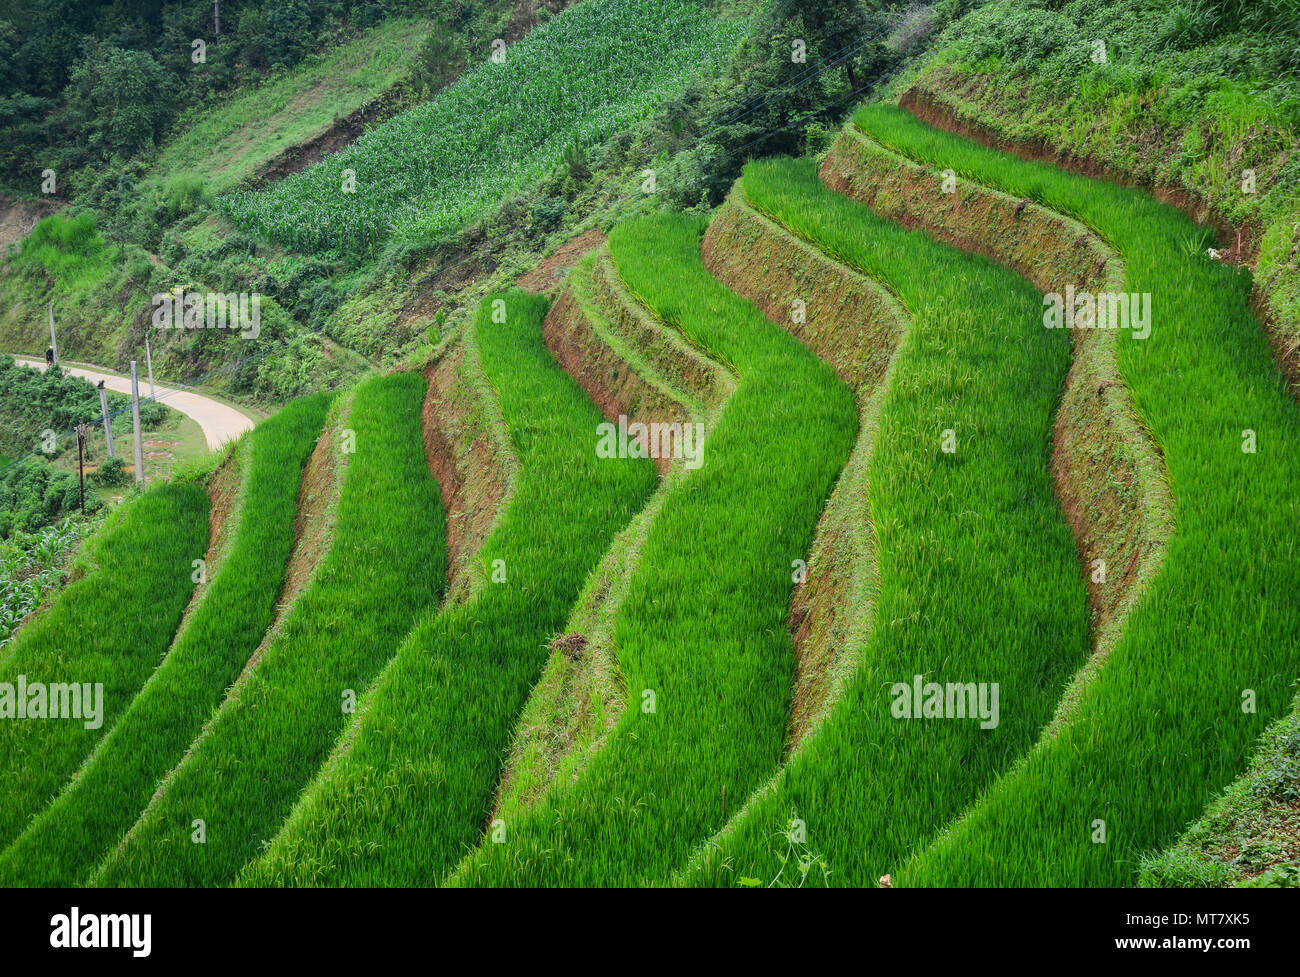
(111, 626)
(67, 841)
(1107, 471)
(978, 581)
(1223, 615)
(411, 787)
(630, 364)
(856, 326)
(386, 565)
(703, 643)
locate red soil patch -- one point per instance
(552, 271)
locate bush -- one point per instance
(111, 473)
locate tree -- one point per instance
(836, 27)
(123, 100)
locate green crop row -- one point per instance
(499, 128)
(1211, 654)
(979, 581)
(111, 628)
(70, 837)
(386, 565)
(413, 789)
(702, 637)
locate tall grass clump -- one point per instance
(1210, 656)
(497, 129)
(112, 626)
(702, 636)
(412, 790)
(979, 580)
(74, 833)
(386, 565)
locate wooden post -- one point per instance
(148, 357)
(54, 343)
(108, 423)
(135, 420)
(82, 429)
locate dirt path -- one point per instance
(220, 422)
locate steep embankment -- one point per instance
(962, 502)
(242, 580)
(410, 787)
(1206, 384)
(108, 628)
(385, 566)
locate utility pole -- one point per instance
(108, 422)
(54, 343)
(135, 420)
(216, 14)
(82, 430)
(148, 356)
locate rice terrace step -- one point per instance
(659, 444)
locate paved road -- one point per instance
(220, 423)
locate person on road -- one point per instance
(49, 357)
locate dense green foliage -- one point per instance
(1196, 44)
(979, 577)
(1166, 712)
(69, 838)
(34, 494)
(500, 127)
(83, 81)
(413, 789)
(111, 626)
(33, 567)
(386, 565)
(703, 627)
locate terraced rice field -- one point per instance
(983, 512)
(137, 582)
(385, 566)
(411, 787)
(64, 844)
(449, 632)
(704, 650)
(1222, 617)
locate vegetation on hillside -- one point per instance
(70, 837)
(385, 566)
(1231, 449)
(109, 628)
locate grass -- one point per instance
(1162, 728)
(979, 581)
(702, 638)
(228, 142)
(112, 626)
(411, 790)
(68, 840)
(1249, 836)
(498, 129)
(386, 565)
